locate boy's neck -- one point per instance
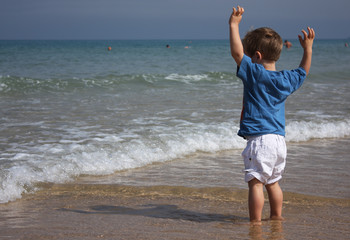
(269, 65)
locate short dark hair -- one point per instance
(265, 40)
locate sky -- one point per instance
(167, 19)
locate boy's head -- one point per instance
(265, 40)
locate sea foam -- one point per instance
(299, 131)
(64, 161)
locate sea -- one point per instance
(73, 110)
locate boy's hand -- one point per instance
(306, 43)
(235, 40)
(236, 15)
(308, 40)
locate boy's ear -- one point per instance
(258, 55)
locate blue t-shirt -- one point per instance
(264, 97)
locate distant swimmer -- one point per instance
(287, 44)
(167, 46)
(346, 44)
(109, 48)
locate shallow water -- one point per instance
(71, 108)
(303, 174)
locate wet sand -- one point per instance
(163, 212)
(200, 197)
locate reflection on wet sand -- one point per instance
(73, 211)
(272, 230)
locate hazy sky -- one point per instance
(167, 19)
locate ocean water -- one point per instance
(72, 108)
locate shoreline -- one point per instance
(308, 164)
(202, 196)
(85, 211)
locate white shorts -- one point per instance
(265, 158)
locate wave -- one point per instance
(104, 154)
(14, 84)
(300, 131)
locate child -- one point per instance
(262, 119)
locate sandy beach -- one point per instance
(122, 212)
(100, 209)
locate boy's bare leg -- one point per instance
(256, 199)
(276, 200)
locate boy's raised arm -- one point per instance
(235, 39)
(306, 44)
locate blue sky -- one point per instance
(167, 19)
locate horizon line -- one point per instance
(137, 39)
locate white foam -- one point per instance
(62, 161)
(299, 131)
(102, 154)
(186, 78)
(3, 87)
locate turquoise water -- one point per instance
(71, 107)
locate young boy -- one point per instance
(262, 119)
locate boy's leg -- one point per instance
(276, 200)
(256, 199)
